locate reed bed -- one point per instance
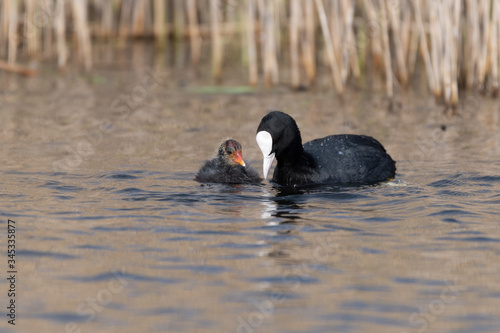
(455, 42)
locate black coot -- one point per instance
(336, 159)
(227, 167)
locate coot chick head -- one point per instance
(230, 152)
(278, 136)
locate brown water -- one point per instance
(114, 235)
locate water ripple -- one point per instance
(54, 255)
(122, 276)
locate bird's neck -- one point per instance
(293, 152)
(294, 168)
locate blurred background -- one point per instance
(450, 44)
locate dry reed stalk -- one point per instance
(106, 27)
(45, 26)
(335, 26)
(123, 24)
(30, 29)
(472, 41)
(159, 24)
(12, 33)
(454, 36)
(179, 21)
(413, 49)
(308, 41)
(446, 47)
(242, 36)
(148, 18)
(495, 53)
(276, 26)
(373, 33)
(294, 42)
(329, 47)
(405, 25)
(4, 23)
(353, 51)
(423, 46)
(436, 38)
(269, 49)
(484, 29)
(194, 32)
(216, 39)
(252, 48)
(350, 55)
(386, 48)
(344, 43)
(413, 42)
(274, 42)
(59, 26)
(81, 27)
(138, 15)
(261, 12)
(393, 9)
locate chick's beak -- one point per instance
(238, 158)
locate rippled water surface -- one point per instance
(114, 235)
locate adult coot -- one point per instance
(227, 167)
(337, 159)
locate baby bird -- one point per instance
(227, 167)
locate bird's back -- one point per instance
(349, 159)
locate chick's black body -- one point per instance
(337, 159)
(227, 167)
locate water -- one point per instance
(114, 235)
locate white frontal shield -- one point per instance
(265, 142)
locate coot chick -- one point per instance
(227, 167)
(336, 159)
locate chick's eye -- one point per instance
(229, 152)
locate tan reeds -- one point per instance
(302, 41)
(4, 22)
(123, 23)
(160, 30)
(458, 41)
(59, 24)
(269, 51)
(80, 20)
(386, 48)
(307, 41)
(30, 30)
(216, 39)
(393, 9)
(294, 43)
(337, 79)
(138, 17)
(106, 27)
(413, 41)
(252, 47)
(494, 47)
(424, 47)
(13, 37)
(373, 32)
(194, 32)
(179, 20)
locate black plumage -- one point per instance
(337, 159)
